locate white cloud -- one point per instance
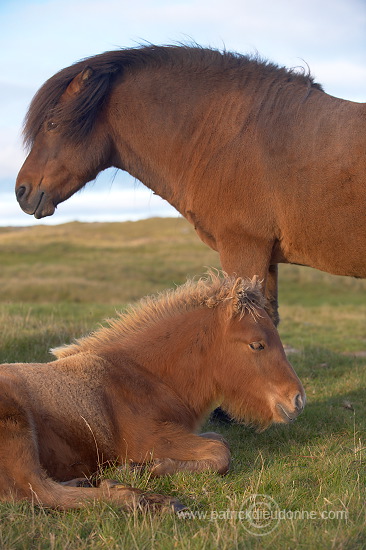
(11, 159)
(94, 205)
(11, 152)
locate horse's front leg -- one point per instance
(271, 293)
(194, 453)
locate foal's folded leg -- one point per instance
(190, 452)
(130, 498)
(22, 477)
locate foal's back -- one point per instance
(65, 401)
(87, 409)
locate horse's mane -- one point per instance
(243, 295)
(78, 115)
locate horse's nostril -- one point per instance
(20, 192)
(299, 403)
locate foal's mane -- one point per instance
(243, 296)
(78, 116)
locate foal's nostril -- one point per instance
(20, 192)
(299, 403)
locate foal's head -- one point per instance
(256, 382)
(215, 333)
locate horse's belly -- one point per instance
(327, 251)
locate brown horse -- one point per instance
(137, 390)
(266, 165)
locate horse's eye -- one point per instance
(256, 346)
(51, 125)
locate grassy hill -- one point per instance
(59, 282)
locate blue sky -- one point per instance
(40, 37)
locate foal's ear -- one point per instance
(247, 293)
(78, 82)
(254, 282)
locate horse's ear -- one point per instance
(78, 82)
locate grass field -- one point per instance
(59, 282)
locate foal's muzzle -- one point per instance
(289, 414)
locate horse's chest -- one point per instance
(200, 226)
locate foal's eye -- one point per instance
(256, 346)
(51, 125)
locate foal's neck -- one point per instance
(179, 351)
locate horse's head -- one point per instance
(258, 383)
(61, 159)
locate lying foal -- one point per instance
(137, 391)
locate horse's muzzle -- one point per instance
(36, 203)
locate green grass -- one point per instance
(57, 283)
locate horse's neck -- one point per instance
(163, 130)
(170, 133)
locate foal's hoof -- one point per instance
(78, 482)
(161, 503)
(136, 499)
(177, 506)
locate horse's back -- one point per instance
(300, 186)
